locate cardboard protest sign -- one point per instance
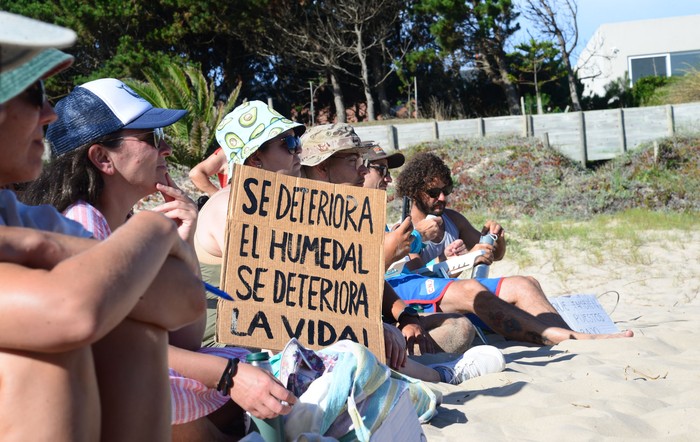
(303, 259)
(584, 314)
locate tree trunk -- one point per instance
(575, 102)
(511, 97)
(362, 57)
(338, 98)
(384, 105)
(508, 87)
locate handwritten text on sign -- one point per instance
(583, 313)
(303, 259)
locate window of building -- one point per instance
(682, 62)
(664, 65)
(641, 67)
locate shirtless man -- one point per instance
(84, 329)
(519, 310)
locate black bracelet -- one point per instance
(226, 381)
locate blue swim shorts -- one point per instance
(427, 292)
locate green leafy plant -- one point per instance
(177, 86)
(685, 89)
(512, 178)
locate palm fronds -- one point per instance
(175, 86)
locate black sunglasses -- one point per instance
(292, 143)
(383, 170)
(158, 137)
(436, 191)
(36, 94)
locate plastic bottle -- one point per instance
(272, 430)
(482, 270)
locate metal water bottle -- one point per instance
(482, 270)
(272, 430)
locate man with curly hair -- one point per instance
(519, 310)
(333, 153)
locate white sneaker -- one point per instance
(477, 361)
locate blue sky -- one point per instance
(593, 13)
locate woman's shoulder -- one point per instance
(81, 206)
(92, 219)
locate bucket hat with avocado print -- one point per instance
(247, 127)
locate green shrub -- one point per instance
(512, 178)
(685, 89)
(645, 88)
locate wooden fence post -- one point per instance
(656, 151)
(670, 120)
(436, 131)
(480, 127)
(582, 129)
(623, 137)
(392, 136)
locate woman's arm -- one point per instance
(213, 164)
(81, 289)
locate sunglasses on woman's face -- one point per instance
(292, 143)
(158, 137)
(36, 94)
(436, 191)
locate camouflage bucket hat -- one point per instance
(247, 127)
(321, 142)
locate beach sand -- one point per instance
(641, 388)
(645, 387)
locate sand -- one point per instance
(645, 387)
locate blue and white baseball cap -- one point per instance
(100, 107)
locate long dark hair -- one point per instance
(66, 179)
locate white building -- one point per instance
(664, 46)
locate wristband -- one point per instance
(226, 381)
(417, 243)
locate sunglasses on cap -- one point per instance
(436, 191)
(292, 143)
(36, 94)
(383, 170)
(158, 137)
